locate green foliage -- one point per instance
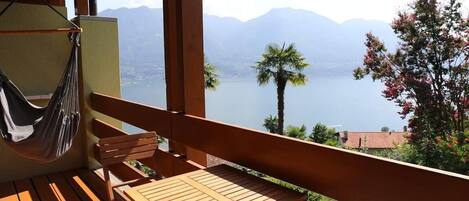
(296, 132)
(428, 77)
(142, 168)
(210, 76)
(324, 135)
(319, 134)
(385, 129)
(271, 124)
(448, 155)
(282, 65)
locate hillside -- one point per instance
(234, 46)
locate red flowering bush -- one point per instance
(428, 77)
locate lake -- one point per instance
(336, 101)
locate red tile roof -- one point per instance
(373, 140)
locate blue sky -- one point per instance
(337, 10)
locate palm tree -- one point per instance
(271, 124)
(284, 65)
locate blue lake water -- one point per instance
(339, 102)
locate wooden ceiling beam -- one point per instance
(41, 2)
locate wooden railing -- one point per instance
(337, 173)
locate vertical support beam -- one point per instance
(183, 30)
(93, 7)
(82, 7)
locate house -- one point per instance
(372, 140)
(35, 63)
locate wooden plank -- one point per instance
(112, 153)
(135, 196)
(126, 172)
(45, 190)
(26, 191)
(82, 7)
(8, 192)
(177, 187)
(94, 182)
(129, 144)
(174, 70)
(143, 116)
(189, 196)
(102, 129)
(205, 190)
(169, 164)
(61, 187)
(108, 161)
(126, 138)
(331, 177)
(97, 183)
(163, 163)
(83, 191)
(184, 62)
(193, 57)
(41, 2)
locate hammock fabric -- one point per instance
(42, 134)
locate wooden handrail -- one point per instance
(143, 116)
(337, 173)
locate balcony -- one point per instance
(333, 172)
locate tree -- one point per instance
(319, 134)
(385, 129)
(283, 65)
(210, 76)
(271, 124)
(324, 135)
(427, 76)
(296, 132)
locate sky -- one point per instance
(337, 10)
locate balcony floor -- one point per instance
(70, 185)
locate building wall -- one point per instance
(35, 63)
(99, 72)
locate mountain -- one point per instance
(233, 46)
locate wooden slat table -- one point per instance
(216, 183)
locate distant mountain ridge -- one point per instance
(233, 46)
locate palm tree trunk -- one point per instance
(280, 104)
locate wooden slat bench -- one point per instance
(216, 183)
(115, 150)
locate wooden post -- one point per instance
(93, 7)
(82, 7)
(184, 60)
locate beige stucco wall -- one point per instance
(99, 71)
(35, 64)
